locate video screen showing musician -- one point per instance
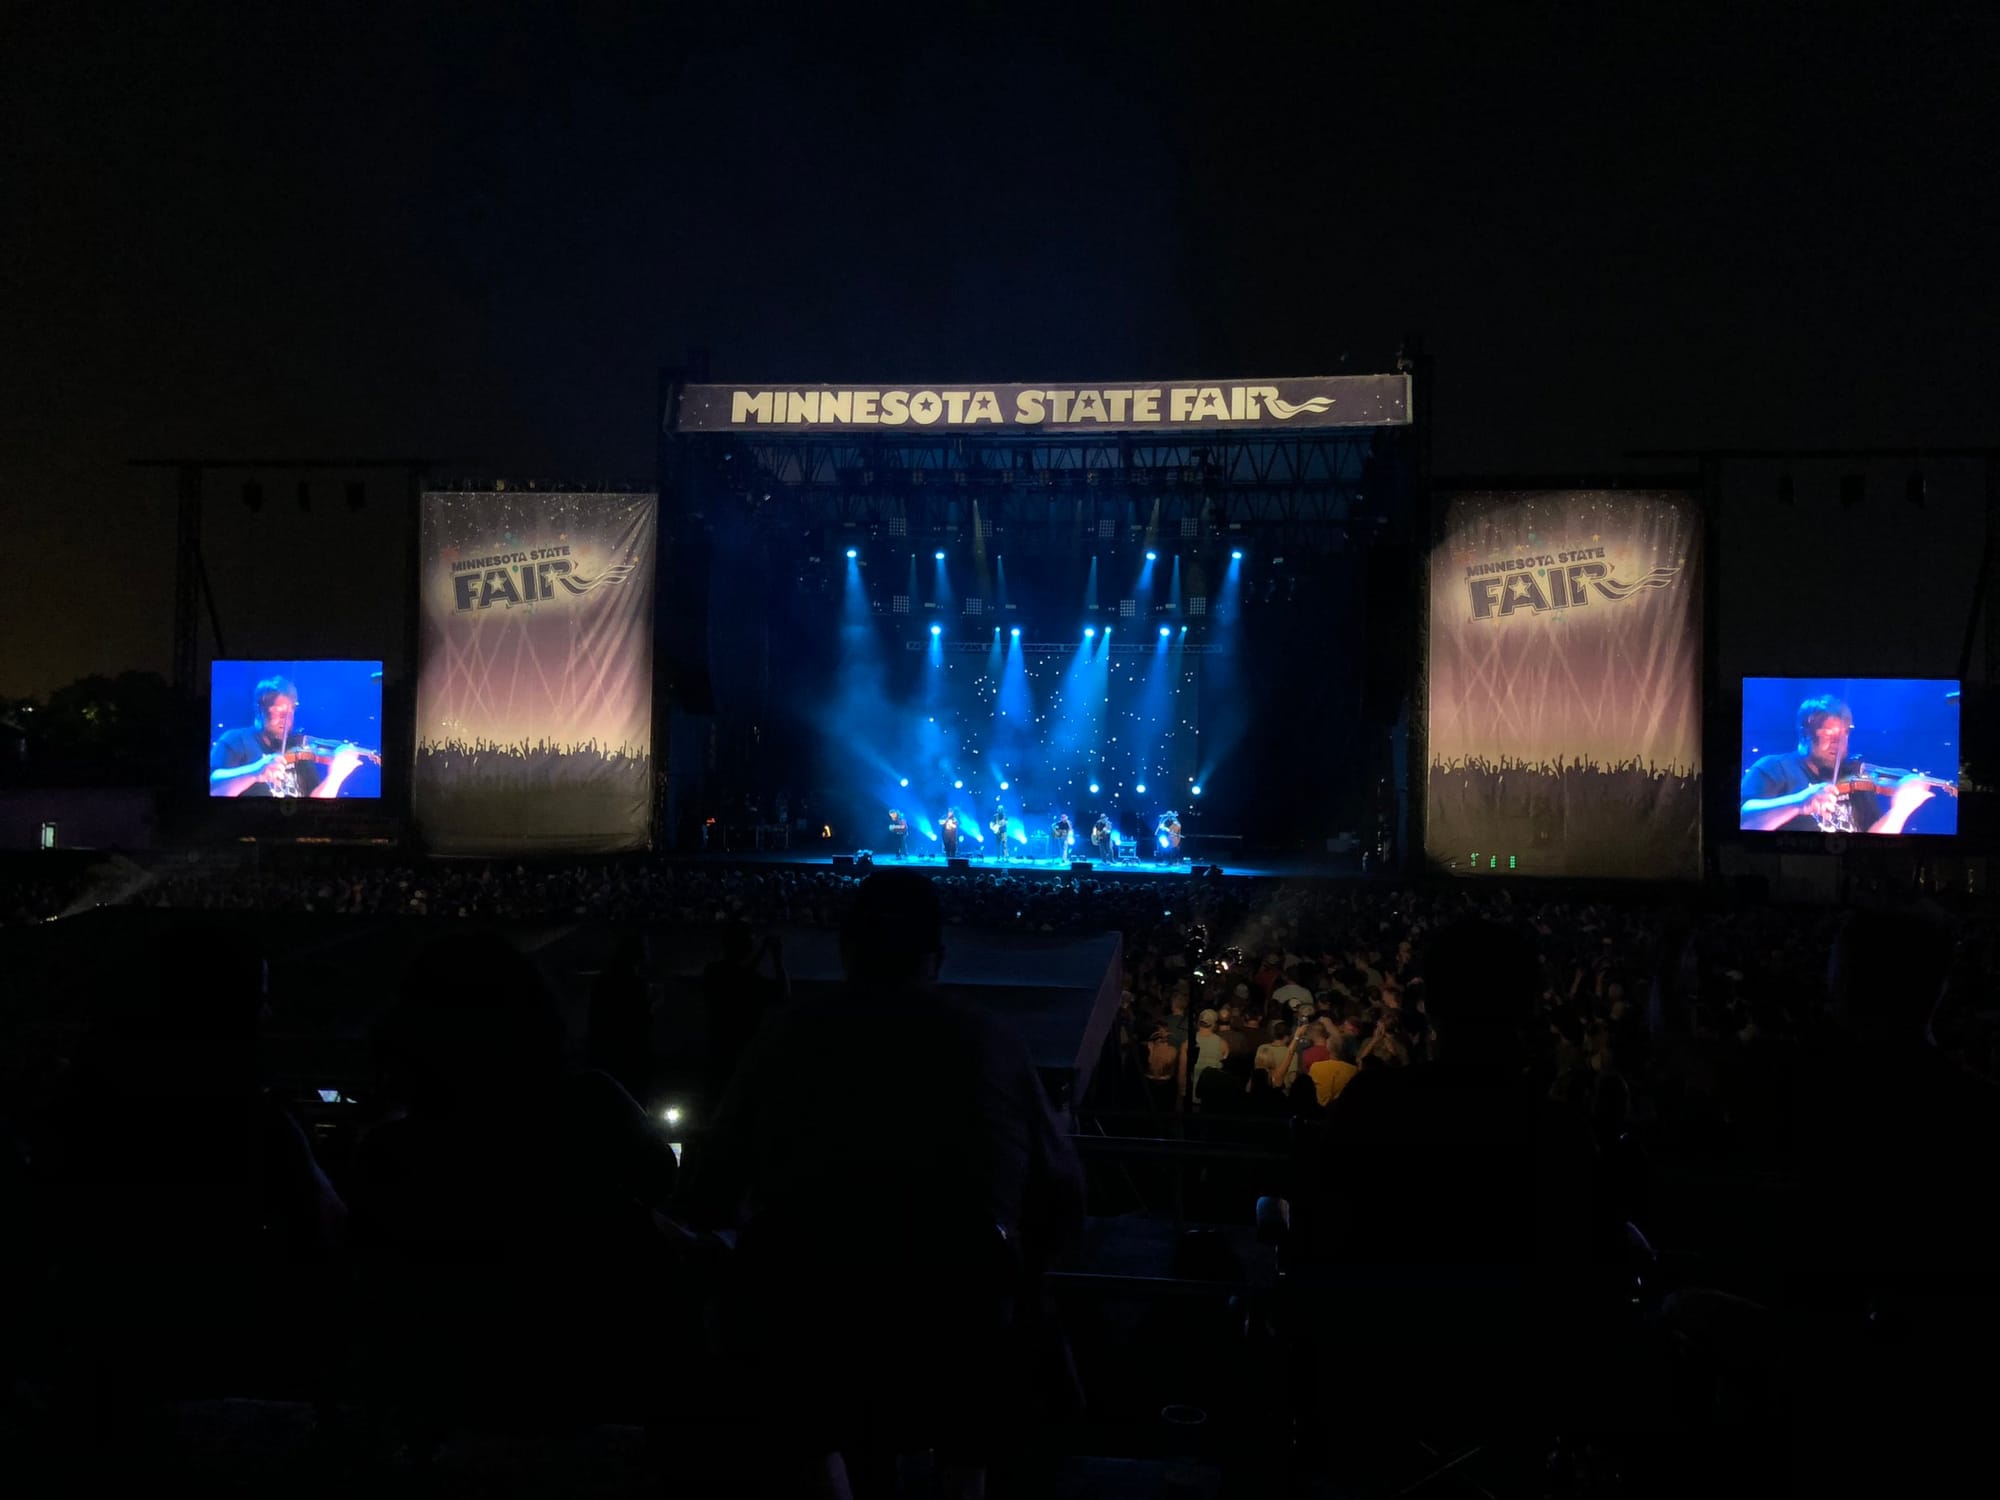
(948, 832)
(1102, 845)
(1167, 837)
(1819, 787)
(272, 756)
(1062, 837)
(899, 833)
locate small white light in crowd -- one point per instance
(673, 1114)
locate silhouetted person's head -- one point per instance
(473, 1019)
(738, 943)
(1886, 973)
(894, 933)
(1481, 981)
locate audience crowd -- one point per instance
(1411, 1045)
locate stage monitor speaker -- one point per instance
(844, 863)
(1197, 871)
(1080, 867)
(959, 862)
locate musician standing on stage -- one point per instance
(1800, 791)
(1168, 836)
(1100, 837)
(899, 833)
(1063, 836)
(948, 832)
(252, 763)
(998, 826)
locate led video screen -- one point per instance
(295, 729)
(1874, 755)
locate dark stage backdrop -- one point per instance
(1565, 684)
(534, 686)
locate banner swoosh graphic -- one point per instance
(617, 573)
(1280, 408)
(1659, 578)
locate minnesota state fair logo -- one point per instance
(510, 578)
(1553, 581)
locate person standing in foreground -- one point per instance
(866, 1205)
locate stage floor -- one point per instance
(1257, 865)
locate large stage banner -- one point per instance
(1565, 685)
(1139, 406)
(535, 672)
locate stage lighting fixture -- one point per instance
(671, 1114)
(904, 782)
(852, 554)
(1196, 790)
(937, 630)
(958, 786)
(1152, 557)
(1093, 788)
(1164, 630)
(1016, 631)
(1090, 630)
(1140, 788)
(1236, 556)
(939, 556)
(1003, 786)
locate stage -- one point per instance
(1233, 863)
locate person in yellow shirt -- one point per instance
(1332, 1074)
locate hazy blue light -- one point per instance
(1090, 630)
(939, 556)
(851, 553)
(1003, 786)
(1164, 630)
(1196, 790)
(1140, 787)
(958, 786)
(1093, 788)
(937, 630)
(1236, 557)
(904, 782)
(1152, 557)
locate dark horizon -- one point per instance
(479, 238)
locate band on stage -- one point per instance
(1105, 844)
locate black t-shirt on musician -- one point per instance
(241, 747)
(1781, 775)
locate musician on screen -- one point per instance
(1818, 788)
(270, 759)
(1062, 836)
(899, 833)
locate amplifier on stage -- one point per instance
(1038, 844)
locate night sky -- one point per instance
(475, 235)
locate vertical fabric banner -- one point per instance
(1565, 685)
(535, 672)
